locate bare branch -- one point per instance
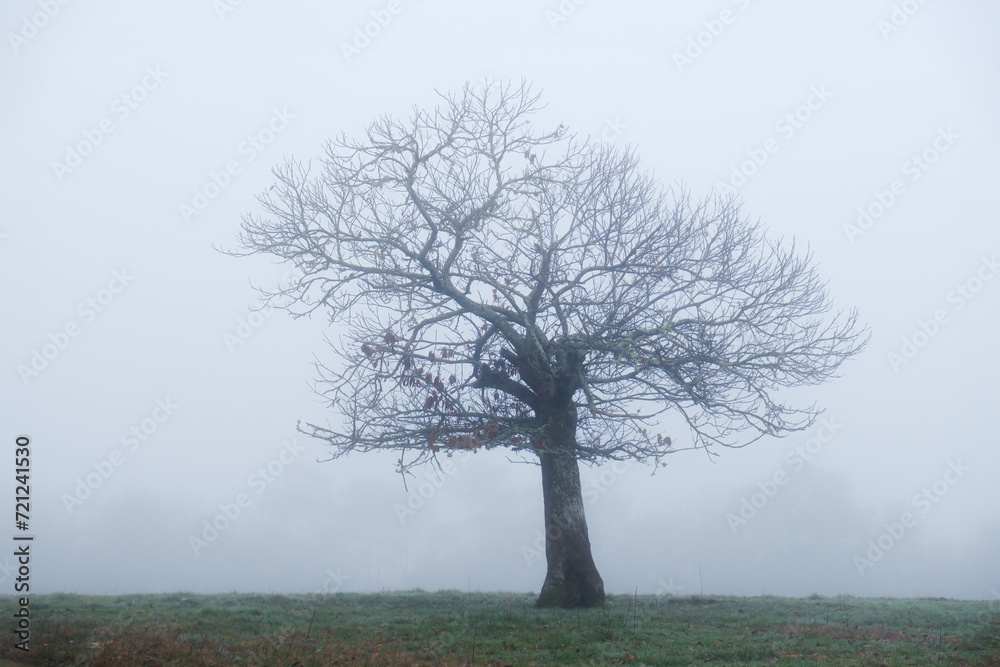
(487, 274)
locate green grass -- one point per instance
(452, 628)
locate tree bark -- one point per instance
(572, 579)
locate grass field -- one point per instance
(452, 628)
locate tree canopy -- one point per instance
(482, 266)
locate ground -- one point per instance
(453, 628)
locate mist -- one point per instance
(158, 397)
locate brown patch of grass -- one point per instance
(150, 645)
(855, 633)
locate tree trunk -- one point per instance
(572, 579)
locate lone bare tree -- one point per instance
(501, 285)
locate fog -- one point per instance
(162, 408)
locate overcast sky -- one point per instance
(134, 135)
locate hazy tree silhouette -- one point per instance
(503, 285)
